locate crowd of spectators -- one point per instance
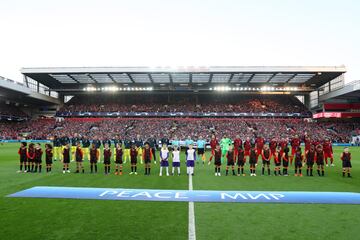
(180, 128)
(11, 110)
(202, 104)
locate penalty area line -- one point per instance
(192, 232)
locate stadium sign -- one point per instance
(190, 196)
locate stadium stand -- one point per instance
(207, 103)
(11, 110)
(180, 128)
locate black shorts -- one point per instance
(107, 161)
(298, 164)
(119, 161)
(48, 161)
(66, 160)
(93, 161)
(38, 160)
(231, 163)
(252, 161)
(79, 160)
(23, 159)
(346, 164)
(278, 164)
(240, 163)
(320, 162)
(200, 151)
(285, 163)
(133, 161)
(147, 161)
(217, 162)
(266, 162)
(310, 163)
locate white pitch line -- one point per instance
(192, 232)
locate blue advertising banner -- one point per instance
(179, 114)
(190, 196)
(28, 141)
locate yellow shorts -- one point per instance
(86, 151)
(99, 154)
(139, 151)
(73, 149)
(127, 152)
(56, 152)
(114, 152)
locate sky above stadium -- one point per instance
(76, 33)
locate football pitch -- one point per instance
(37, 218)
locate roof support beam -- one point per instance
(91, 77)
(287, 81)
(150, 77)
(231, 77)
(252, 76)
(211, 77)
(72, 78)
(112, 79)
(26, 80)
(271, 77)
(131, 78)
(171, 79)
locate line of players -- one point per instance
(316, 152)
(233, 152)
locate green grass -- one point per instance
(26, 218)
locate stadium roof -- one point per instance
(19, 93)
(69, 79)
(349, 92)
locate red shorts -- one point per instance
(258, 151)
(328, 155)
(236, 151)
(247, 153)
(293, 151)
(213, 151)
(272, 151)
